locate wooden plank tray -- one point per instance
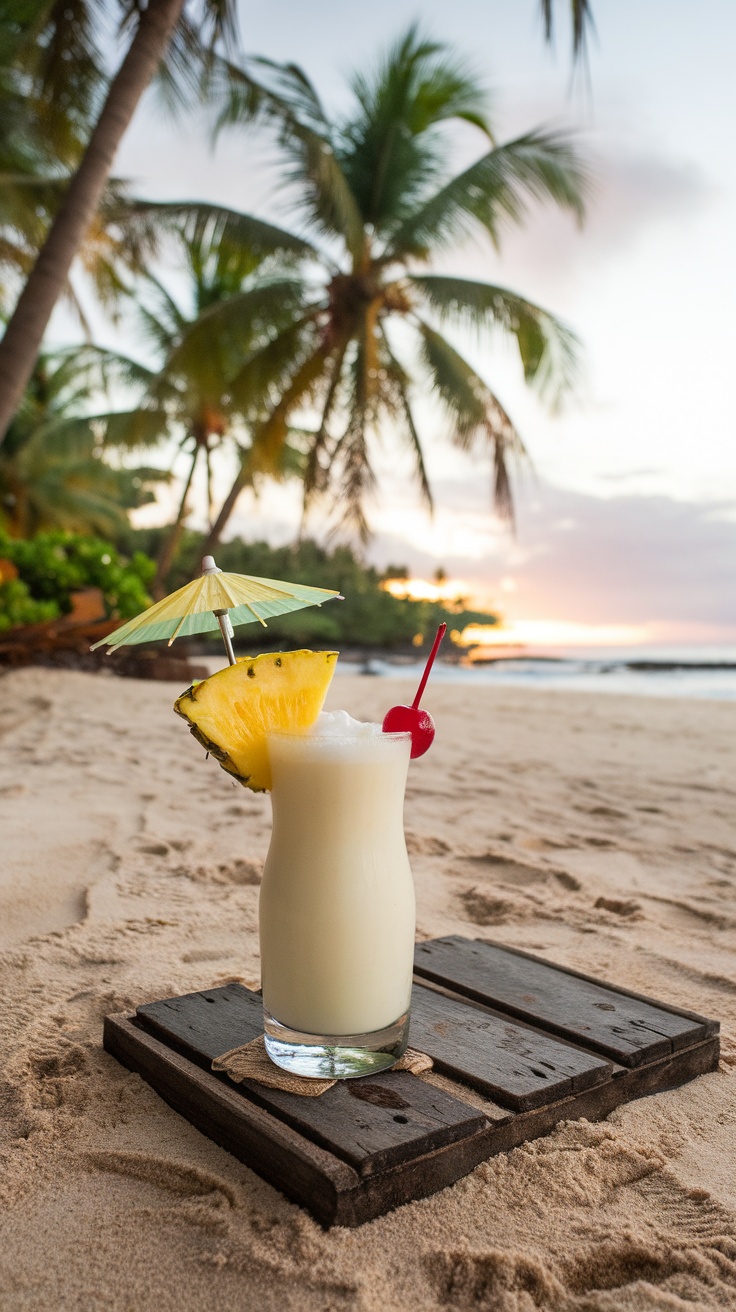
(540, 1044)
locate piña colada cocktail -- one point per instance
(337, 900)
(337, 910)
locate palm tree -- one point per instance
(379, 204)
(53, 474)
(59, 40)
(238, 265)
(58, 47)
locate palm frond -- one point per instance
(399, 382)
(170, 318)
(201, 36)
(27, 204)
(314, 473)
(549, 351)
(356, 479)
(89, 369)
(286, 100)
(475, 411)
(267, 371)
(496, 189)
(153, 331)
(389, 149)
(582, 22)
(211, 346)
(135, 430)
(271, 433)
(291, 93)
(57, 442)
(51, 40)
(194, 220)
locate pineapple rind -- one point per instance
(230, 716)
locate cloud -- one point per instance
(635, 559)
(631, 194)
(627, 559)
(637, 189)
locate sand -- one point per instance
(598, 830)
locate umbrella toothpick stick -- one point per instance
(226, 629)
(223, 618)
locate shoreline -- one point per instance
(672, 678)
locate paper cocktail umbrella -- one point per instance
(215, 600)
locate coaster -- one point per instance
(252, 1062)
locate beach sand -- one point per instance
(597, 830)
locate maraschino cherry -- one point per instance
(409, 719)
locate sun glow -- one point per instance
(554, 633)
(513, 633)
(446, 590)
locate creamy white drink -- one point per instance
(337, 910)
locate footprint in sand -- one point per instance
(519, 874)
(56, 1079)
(684, 914)
(240, 871)
(188, 1183)
(496, 1279)
(612, 1265)
(175, 1177)
(425, 845)
(619, 907)
(692, 1248)
(17, 1118)
(695, 1238)
(485, 910)
(542, 844)
(203, 954)
(17, 718)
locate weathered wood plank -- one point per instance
(517, 1067)
(208, 1023)
(371, 1123)
(370, 1145)
(300, 1169)
(333, 1192)
(711, 1028)
(631, 1030)
(419, 1179)
(594, 1104)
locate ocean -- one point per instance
(700, 672)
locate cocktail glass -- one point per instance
(337, 909)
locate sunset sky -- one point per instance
(628, 516)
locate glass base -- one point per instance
(335, 1056)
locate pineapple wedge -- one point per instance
(231, 712)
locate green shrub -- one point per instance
(53, 565)
(17, 606)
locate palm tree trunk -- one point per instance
(21, 343)
(170, 543)
(226, 510)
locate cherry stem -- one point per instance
(442, 630)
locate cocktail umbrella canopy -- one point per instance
(215, 600)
